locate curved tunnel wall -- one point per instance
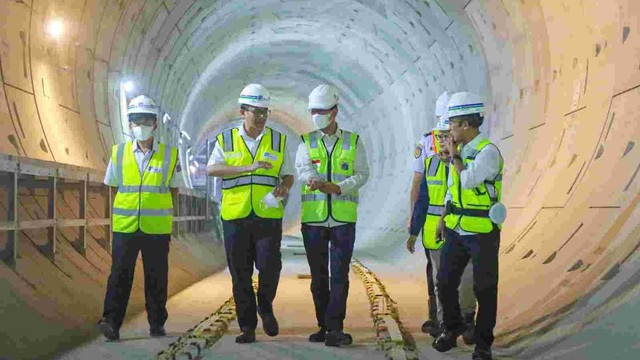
(560, 79)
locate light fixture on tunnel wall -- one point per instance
(129, 86)
(55, 28)
(184, 133)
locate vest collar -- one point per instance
(136, 149)
(244, 134)
(471, 146)
(337, 135)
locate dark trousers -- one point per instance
(334, 245)
(155, 260)
(248, 241)
(431, 288)
(482, 249)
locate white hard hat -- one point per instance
(441, 105)
(323, 97)
(255, 95)
(142, 105)
(465, 103)
(443, 125)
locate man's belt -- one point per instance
(469, 212)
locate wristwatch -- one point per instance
(457, 157)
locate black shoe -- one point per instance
(446, 341)
(469, 335)
(108, 330)
(482, 355)
(157, 331)
(437, 331)
(270, 324)
(319, 336)
(338, 338)
(247, 336)
(429, 326)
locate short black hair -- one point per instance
(474, 120)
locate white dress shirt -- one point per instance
(307, 170)
(217, 156)
(424, 149)
(486, 166)
(111, 178)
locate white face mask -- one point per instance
(322, 121)
(142, 132)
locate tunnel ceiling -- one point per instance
(560, 79)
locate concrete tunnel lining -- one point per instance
(560, 80)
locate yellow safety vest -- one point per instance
(470, 207)
(334, 167)
(243, 193)
(143, 202)
(436, 177)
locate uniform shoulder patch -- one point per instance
(418, 151)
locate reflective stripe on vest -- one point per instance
(243, 194)
(334, 167)
(470, 207)
(436, 177)
(143, 201)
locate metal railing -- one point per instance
(35, 177)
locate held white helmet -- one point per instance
(323, 97)
(142, 105)
(443, 125)
(441, 105)
(465, 103)
(255, 95)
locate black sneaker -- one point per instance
(319, 336)
(447, 340)
(157, 331)
(480, 354)
(437, 331)
(338, 338)
(270, 324)
(247, 337)
(429, 326)
(108, 330)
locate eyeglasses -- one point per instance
(259, 112)
(322, 111)
(442, 137)
(142, 119)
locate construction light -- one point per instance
(55, 28)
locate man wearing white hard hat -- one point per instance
(147, 176)
(471, 224)
(426, 215)
(332, 166)
(256, 168)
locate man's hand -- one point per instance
(261, 165)
(452, 146)
(314, 184)
(441, 228)
(330, 188)
(411, 243)
(280, 191)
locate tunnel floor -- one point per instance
(294, 309)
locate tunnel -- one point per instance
(560, 81)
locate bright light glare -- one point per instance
(129, 86)
(166, 118)
(55, 28)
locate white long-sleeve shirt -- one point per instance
(486, 166)
(307, 170)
